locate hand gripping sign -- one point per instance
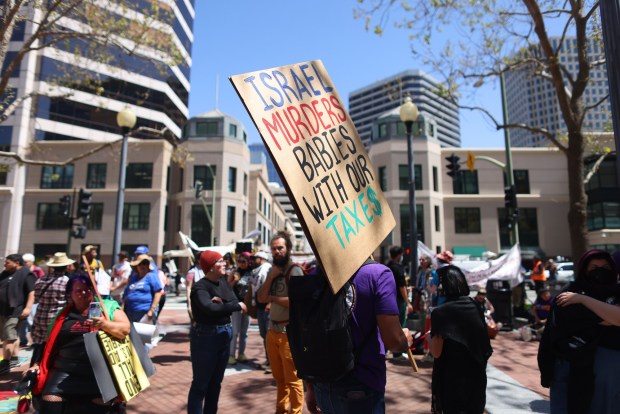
(322, 162)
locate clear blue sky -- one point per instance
(237, 36)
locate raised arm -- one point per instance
(608, 312)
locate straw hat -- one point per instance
(60, 259)
(142, 258)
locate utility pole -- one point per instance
(512, 216)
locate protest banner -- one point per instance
(124, 364)
(322, 162)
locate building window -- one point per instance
(4, 173)
(528, 228)
(403, 176)
(230, 218)
(404, 223)
(605, 215)
(49, 218)
(260, 200)
(57, 177)
(383, 178)
(467, 220)
(232, 179)
(136, 216)
(244, 222)
(383, 130)
(232, 130)
(96, 175)
(522, 181)
(401, 129)
(204, 174)
(48, 249)
(200, 225)
(435, 179)
(437, 219)
(139, 175)
(466, 182)
(605, 176)
(208, 129)
(245, 184)
(95, 219)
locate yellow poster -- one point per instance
(124, 365)
(326, 171)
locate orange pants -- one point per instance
(290, 388)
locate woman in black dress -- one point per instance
(460, 346)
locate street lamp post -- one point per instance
(126, 120)
(408, 115)
(209, 214)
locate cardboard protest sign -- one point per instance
(322, 162)
(124, 364)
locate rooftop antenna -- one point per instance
(217, 82)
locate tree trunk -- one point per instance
(577, 199)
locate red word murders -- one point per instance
(272, 87)
(300, 122)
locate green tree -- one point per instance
(88, 33)
(498, 36)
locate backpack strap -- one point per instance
(287, 276)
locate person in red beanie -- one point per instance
(213, 301)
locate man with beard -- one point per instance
(275, 291)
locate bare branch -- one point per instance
(164, 133)
(594, 169)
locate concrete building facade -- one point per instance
(366, 104)
(531, 100)
(61, 112)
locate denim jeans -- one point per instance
(349, 396)
(240, 324)
(209, 347)
(263, 324)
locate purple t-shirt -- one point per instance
(375, 294)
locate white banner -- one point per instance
(507, 267)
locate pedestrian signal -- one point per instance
(65, 206)
(510, 197)
(85, 203)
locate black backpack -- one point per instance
(318, 330)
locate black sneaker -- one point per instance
(5, 367)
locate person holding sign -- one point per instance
(213, 301)
(66, 379)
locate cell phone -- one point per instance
(94, 310)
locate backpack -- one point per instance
(318, 330)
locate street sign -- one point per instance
(471, 159)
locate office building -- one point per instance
(532, 100)
(81, 112)
(368, 103)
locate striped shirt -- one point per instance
(53, 287)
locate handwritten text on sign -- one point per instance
(315, 145)
(124, 364)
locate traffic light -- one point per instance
(454, 167)
(85, 203)
(78, 232)
(65, 206)
(198, 188)
(510, 197)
